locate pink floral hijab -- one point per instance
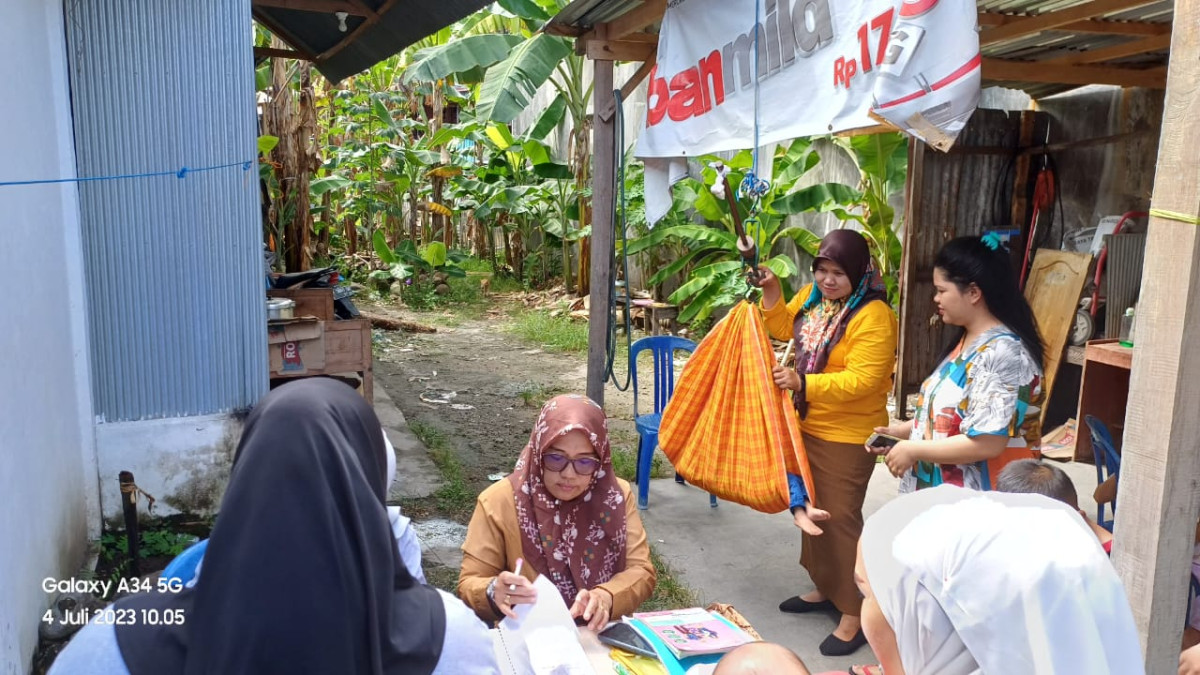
(581, 543)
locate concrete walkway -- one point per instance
(416, 475)
(750, 560)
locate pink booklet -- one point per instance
(694, 631)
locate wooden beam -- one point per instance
(1041, 71)
(1098, 26)
(323, 6)
(911, 307)
(1131, 48)
(364, 8)
(627, 89)
(650, 11)
(1064, 146)
(1050, 20)
(633, 47)
(275, 52)
(1020, 191)
(357, 32)
(1160, 457)
(603, 177)
(881, 128)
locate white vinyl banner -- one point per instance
(822, 66)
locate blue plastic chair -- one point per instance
(663, 348)
(1108, 463)
(183, 567)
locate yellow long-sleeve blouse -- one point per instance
(849, 399)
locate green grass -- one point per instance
(669, 592)
(464, 290)
(625, 464)
(506, 284)
(534, 395)
(476, 266)
(558, 333)
(454, 496)
(440, 576)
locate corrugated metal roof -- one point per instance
(581, 15)
(400, 24)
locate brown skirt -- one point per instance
(841, 472)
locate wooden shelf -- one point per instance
(1109, 352)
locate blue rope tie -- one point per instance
(180, 174)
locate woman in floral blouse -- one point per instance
(979, 409)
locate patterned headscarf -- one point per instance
(821, 323)
(581, 543)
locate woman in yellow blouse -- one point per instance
(845, 335)
(562, 513)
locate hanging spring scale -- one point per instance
(755, 188)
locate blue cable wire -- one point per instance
(180, 173)
(757, 79)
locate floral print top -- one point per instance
(992, 387)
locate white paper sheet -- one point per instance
(543, 640)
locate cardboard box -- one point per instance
(296, 346)
(1060, 443)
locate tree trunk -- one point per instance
(508, 256)
(440, 222)
(295, 157)
(395, 230)
(412, 215)
(566, 263)
(518, 255)
(326, 226)
(351, 227)
(490, 243)
(583, 164)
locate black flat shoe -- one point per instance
(798, 605)
(835, 646)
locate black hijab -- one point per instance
(821, 324)
(301, 574)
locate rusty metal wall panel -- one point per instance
(173, 266)
(1122, 278)
(950, 195)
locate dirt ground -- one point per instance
(499, 382)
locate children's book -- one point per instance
(693, 632)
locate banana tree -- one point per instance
(511, 80)
(716, 279)
(882, 161)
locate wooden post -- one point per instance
(605, 163)
(129, 495)
(1021, 189)
(1160, 467)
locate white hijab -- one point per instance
(399, 522)
(991, 583)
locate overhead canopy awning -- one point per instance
(1040, 46)
(374, 29)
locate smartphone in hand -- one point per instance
(882, 441)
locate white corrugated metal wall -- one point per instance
(174, 266)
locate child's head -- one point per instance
(1029, 476)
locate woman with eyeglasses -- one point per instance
(562, 513)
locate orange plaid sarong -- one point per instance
(728, 429)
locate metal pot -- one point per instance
(280, 308)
